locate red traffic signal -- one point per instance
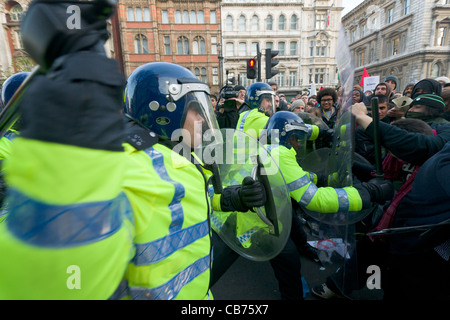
(251, 69)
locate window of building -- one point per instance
(321, 48)
(406, 6)
(200, 73)
(130, 14)
(372, 55)
(396, 46)
(178, 17)
(292, 78)
(182, 45)
(140, 44)
(16, 13)
(229, 23)
(165, 17)
(215, 78)
(362, 29)
(241, 24)
(436, 70)
(320, 21)
(281, 22)
(255, 23)
(229, 49)
(193, 17)
(253, 49)
(361, 59)
(212, 17)
(200, 17)
(204, 75)
(441, 36)
(353, 35)
(282, 48)
(389, 15)
(213, 45)
(280, 79)
(319, 75)
(294, 22)
(185, 17)
(269, 23)
(311, 48)
(198, 45)
(293, 47)
(147, 14)
(242, 49)
(138, 14)
(167, 45)
(18, 42)
(269, 45)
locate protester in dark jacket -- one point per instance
(418, 263)
(409, 146)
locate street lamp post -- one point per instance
(219, 47)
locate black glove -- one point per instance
(376, 190)
(325, 138)
(243, 197)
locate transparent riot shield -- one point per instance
(335, 238)
(261, 233)
(310, 118)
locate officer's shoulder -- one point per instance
(139, 136)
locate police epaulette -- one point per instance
(140, 137)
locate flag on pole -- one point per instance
(329, 15)
(365, 75)
(312, 89)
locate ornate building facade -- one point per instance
(409, 39)
(304, 33)
(12, 56)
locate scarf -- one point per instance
(391, 169)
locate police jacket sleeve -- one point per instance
(77, 103)
(411, 147)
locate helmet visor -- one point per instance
(297, 133)
(199, 125)
(266, 100)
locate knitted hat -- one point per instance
(393, 78)
(430, 100)
(298, 102)
(429, 86)
(443, 79)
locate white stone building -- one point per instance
(299, 30)
(408, 38)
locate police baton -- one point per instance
(376, 138)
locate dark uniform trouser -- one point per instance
(286, 267)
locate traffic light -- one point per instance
(251, 69)
(270, 63)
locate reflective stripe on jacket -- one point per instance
(62, 239)
(306, 193)
(172, 258)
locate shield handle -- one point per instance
(270, 218)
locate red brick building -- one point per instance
(186, 32)
(12, 56)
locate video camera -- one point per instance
(228, 93)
